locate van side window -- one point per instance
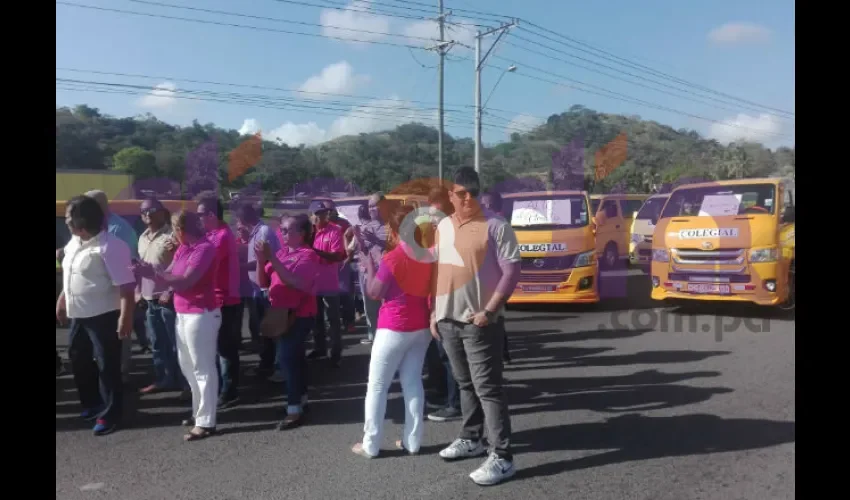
(610, 208)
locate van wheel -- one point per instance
(610, 256)
(791, 302)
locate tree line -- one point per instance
(576, 149)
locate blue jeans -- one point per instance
(453, 394)
(291, 353)
(160, 321)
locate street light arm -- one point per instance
(502, 32)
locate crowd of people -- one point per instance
(189, 277)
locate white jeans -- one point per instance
(197, 345)
(403, 352)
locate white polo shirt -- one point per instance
(92, 272)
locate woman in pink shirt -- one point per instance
(401, 340)
(191, 276)
(290, 275)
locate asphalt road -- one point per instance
(617, 401)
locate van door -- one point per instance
(609, 226)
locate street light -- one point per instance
(479, 63)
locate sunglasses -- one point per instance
(148, 211)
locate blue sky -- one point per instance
(743, 48)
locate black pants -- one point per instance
(95, 353)
(330, 305)
(229, 340)
(436, 371)
(477, 365)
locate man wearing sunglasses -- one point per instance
(478, 264)
(156, 247)
(227, 294)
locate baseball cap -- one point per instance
(317, 206)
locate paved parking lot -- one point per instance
(616, 401)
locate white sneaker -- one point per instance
(463, 448)
(494, 470)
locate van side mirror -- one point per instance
(789, 215)
(634, 215)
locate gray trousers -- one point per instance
(476, 359)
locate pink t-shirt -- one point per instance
(199, 297)
(227, 277)
(328, 239)
(305, 264)
(405, 307)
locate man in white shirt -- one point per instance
(98, 293)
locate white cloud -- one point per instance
(337, 78)
(250, 127)
(738, 33)
(162, 97)
(763, 128)
(377, 115)
(358, 18)
(295, 134)
(418, 30)
(523, 122)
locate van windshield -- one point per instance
(717, 201)
(651, 209)
(550, 212)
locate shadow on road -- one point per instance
(636, 437)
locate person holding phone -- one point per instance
(403, 285)
(290, 275)
(192, 277)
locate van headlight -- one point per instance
(660, 255)
(584, 259)
(636, 238)
(764, 255)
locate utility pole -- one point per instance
(479, 64)
(442, 48)
(442, 20)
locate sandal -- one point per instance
(199, 433)
(400, 446)
(357, 449)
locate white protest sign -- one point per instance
(718, 205)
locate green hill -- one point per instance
(655, 153)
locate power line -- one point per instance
(624, 98)
(640, 77)
(231, 25)
(261, 87)
(268, 102)
(647, 68)
(275, 19)
(639, 84)
(606, 55)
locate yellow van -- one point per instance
(726, 241)
(640, 246)
(557, 246)
(612, 219)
